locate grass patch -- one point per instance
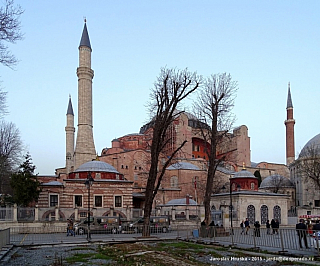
(79, 257)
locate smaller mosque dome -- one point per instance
(313, 143)
(275, 181)
(96, 166)
(183, 166)
(244, 174)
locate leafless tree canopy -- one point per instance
(9, 31)
(215, 102)
(3, 106)
(309, 164)
(11, 152)
(213, 109)
(170, 89)
(277, 182)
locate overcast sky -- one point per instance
(262, 44)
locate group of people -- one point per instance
(274, 225)
(302, 230)
(245, 226)
(70, 230)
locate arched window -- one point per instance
(277, 213)
(251, 214)
(174, 181)
(252, 185)
(264, 214)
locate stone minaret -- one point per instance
(70, 138)
(85, 150)
(289, 130)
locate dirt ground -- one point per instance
(146, 253)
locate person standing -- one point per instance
(276, 229)
(247, 225)
(257, 229)
(273, 226)
(268, 227)
(242, 227)
(301, 229)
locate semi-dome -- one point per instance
(275, 181)
(313, 143)
(244, 174)
(96, 166)
(183, 166)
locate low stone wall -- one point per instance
(28, 227)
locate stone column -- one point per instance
(173, 214)
(56, 212)
(76, 214)
(15, 213)
(36, 213)
(187, 214)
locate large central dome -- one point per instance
(312, 144)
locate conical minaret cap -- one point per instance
(85, 41)
(289, 101)
(70, 109)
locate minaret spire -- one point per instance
(290, 150)
(85, 149)
(69, 138)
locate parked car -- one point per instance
(101, 224)
(158, 224)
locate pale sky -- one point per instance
(262, 44)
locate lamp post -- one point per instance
(231, 206)
(88, 183)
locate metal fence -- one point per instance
(282, 241)
(4, 237)
(6, 213)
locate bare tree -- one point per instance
(309, 164)
(11, 153)
(213, 109)
(170, 89)
(277, 182)
(3, 106)
(9, 31)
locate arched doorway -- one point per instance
(264, 214)
(251, 214)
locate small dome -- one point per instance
(96, 166)
(244, 174)
(183, 166)
(313, 143)
(176, 202)
(275, 181)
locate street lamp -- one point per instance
(231, 206)
(88, 183)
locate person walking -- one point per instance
(301, 229)
(242, 227)
(268, 227)
(247, 225)
(70, 228)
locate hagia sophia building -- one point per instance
(260, 191)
